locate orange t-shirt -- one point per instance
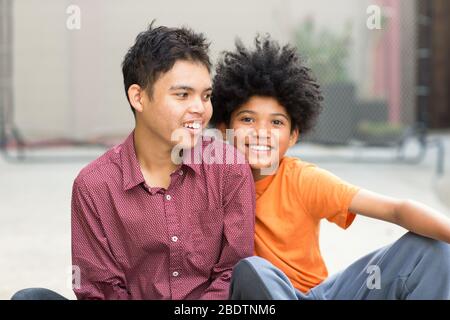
(289, 207)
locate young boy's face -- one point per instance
(262, 131)
(180, 106)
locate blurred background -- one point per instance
(384, 66)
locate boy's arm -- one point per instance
(239, 229)
(408, 214)
(100, 277)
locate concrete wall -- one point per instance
(69, 82)
(41, 67)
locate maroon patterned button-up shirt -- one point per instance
(130, 241)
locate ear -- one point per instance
(293, 138)
(135, 95)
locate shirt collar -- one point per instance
(132, 174)
(192, 157)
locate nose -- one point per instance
(259, 134)
(262, 130)
(197, 106)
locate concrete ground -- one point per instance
(35, 211)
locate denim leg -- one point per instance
(37, 294)
(413, 267)
(255, 278)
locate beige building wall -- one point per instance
(68, 83)
(40, 66)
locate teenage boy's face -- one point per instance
(180, 106)
(262, 130)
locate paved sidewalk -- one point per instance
(35, 216)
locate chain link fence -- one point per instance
(373, 96)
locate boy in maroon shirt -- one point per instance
(148, 222)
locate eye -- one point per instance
(207, 97)
(181, 94)
(278, 122)
(247, 119)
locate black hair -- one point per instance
(268, 71)
(155, 52)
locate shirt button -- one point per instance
(168, 197)
(180, 172)
(175, 274)
(174, 238)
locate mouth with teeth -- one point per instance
(259, 148)
(194, 126)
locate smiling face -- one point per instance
(262, 131)
(179, 107)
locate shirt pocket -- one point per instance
(206, 236)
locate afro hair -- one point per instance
(271, 71)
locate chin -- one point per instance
(189, 144)
(260, 165)
(260, 162)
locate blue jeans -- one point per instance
(37, 294)
(413, 267)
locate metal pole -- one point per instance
(5, 75)
(424, 56)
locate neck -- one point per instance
(152, 154)
(258, 176)
(269, 171)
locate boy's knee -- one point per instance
(248, 279)
(257, 278)
(253, 264)
(25, 294)
(439, 253)
(416, 243)
(246, 268)
(249, 271)
(36, 294)
(434, 250)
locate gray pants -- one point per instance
(37, 294)
(413, 267)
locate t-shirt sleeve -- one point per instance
(324, 195)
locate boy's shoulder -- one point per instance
(103, 166)
(306, 175)
(297, 173)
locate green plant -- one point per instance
(326, 52)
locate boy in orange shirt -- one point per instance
(267, 97)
